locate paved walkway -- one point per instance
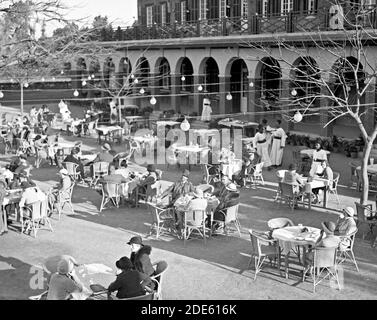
(218, 270)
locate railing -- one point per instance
(290, 23)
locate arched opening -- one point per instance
(239, 85)
(305, 87)
(81, 74)
(94, 79)
(270, 75)
(109, 77)
(124, 74)
(142, 73)
(210, 76)
(163, 75)
(186, 75)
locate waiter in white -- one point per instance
(319, 155)
(278, 144)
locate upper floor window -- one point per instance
(286, 6)
(312, 7)
(222, 8)
(244, 9)
(183, 11)
(264, 7)
(163, 13)
(149, 16)
(203, 10)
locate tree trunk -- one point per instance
(364, 172)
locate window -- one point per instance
(165, 75)
(163, 13)
(222, 8)
(312, 7)
(203, 10)
(244, 9)
(264, 7)
(183, 11)
(286, 6)
(149, 16)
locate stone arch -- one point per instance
(108, 71)
(268, 79)
(185, 70)
(237, 71)
(209, 75)
(162, 73)
(142, 72)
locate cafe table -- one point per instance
(314, 184)
(295, 237)
(309, 152)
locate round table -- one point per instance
(309, 152)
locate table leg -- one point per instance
(325, 197)
(310, 200)
(287, 265)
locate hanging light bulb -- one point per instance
(26, 85)
(132, 76)
(1, 94)
(142, 91)
(136, 81)
(183, 78)
(348, 88)
(11, 80)
(153, 100)
(185, 125)
(251, 84)
(53, 78)
(229, 96)
(298, 116)
(43, 79)
(200, 88)
(83, 83)
(62, 72)
(76, 93)
(89, 77)
(93, 76)
(294, 92)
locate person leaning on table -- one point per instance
(63, 283)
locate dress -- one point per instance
(207, 110)
(261, 144)
(278, 141)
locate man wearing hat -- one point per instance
(346, 225)
(129, 282)
(144, 186)
(74, 158)
(140, 256)
(31, 193)
(105, 155)
(63, 283)
(62, 188)
(179, 188)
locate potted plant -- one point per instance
(346, 148)
(288, 139)
(306, 141)
(335, 143)
(294, 139)
(353, 150)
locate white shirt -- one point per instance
(319, 155)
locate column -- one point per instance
(198, 95)
(175, 85)
(225, 106)
(285, 96)
(251, 100)
(324, 116)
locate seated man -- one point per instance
(179, 188)
(63, 283)
(146, 181)
(220, 188)
(327, 239)
(293, 178)
(62, 188)
(129, 282)
(51, 263)
(105, 155)
(74, 158)
(113, 177)
(228, 199)
(31, 193)
(345, 225)
(325, 172)
(123, 169)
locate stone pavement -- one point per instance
(217, 271)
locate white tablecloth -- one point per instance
(231, 168)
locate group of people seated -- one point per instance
(133, 277)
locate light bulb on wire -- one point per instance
(62, 72)
(89, 77)
(298, 116)
(83, 83)
(132, 76)
(93, 76)
(294, 92)
(200, 88)
(251, 84)
(136, 81)
(183, 78)
(76, 93)
(1, 94)
(185, 125)
(229, 96)
(142, 91)
(26, 85)
(43, 79)
(153, 100)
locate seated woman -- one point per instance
(129, 282)
(325, 172)
(293, 178)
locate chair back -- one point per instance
(149, 296)
(206, 188)
(353, 166)
(256, 243)
(110, 190)
(286, 189)
(361, 210)
(335, 181)
(195, 218)
(100, 169)
(258, 169)
(71, 168)
(231, 214)
(36, 210)
(44, 208)
(324, 257)
(351, 238)
(278, 223)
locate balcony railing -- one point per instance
(290, 23)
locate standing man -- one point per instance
(278, 144)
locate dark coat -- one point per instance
(129, 284)
(230, 199)
(141, 260)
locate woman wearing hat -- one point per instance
(229, 199)
(129, 282)
(62, 188)
(105, 155)
(140, 256)
(346, 225)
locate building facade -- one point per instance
(180, 51)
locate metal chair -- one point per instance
(256, 174)
(37, 215)
(72, 170)
(116, 135)
(161, 267)
(354, 176)
(100, 169)
(162, 219)
(110, 192)
(208, 178)
(322, 266)
(230, 216)
(345, 249)
(289, 194)
(263, 248)
(363, 213)
(194, 221)
(333, 189)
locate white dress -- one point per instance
(261, 145)
(207, 110)
(278, 141)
